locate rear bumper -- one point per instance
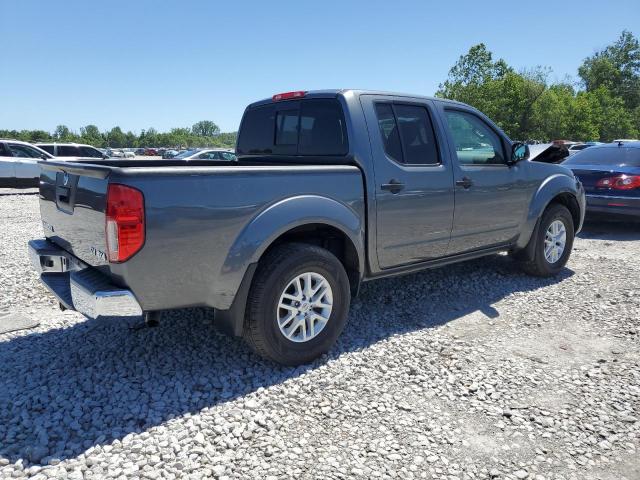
(616, 205)
(78, 286)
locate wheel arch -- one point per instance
(309, 219)
(559, 188)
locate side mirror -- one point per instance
(519, 152)
(44, 157)
(105, 156)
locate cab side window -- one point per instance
(407, 134)
(475, 142)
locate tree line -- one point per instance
(602, 104)
(202, 134)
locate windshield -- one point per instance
(622, 156)
(186, 153)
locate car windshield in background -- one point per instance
(186, 153)
(622, 156)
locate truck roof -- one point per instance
(330, 93)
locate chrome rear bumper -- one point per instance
(78, 286)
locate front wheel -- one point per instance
(298, 304)
(553, 242)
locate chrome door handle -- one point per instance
(394, 186)
(466, 182)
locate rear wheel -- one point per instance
(552, 243)
(298, 304)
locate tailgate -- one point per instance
(72, 207)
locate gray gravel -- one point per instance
(471, 371)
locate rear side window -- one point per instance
(68, 151)
(309, 127)
(4, 151)
(47, 148)
(389, 131)
(90, 152)
(407, 134)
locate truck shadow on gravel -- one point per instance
(66, 390)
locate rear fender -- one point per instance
(262, 231)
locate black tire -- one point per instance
(274, 273)
(537, 264)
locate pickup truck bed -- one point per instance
(194, 253)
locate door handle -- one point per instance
(466, 182)
(394, 186)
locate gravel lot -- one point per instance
(470, 371)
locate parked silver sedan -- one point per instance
(19, 164)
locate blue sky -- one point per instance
(167, 64)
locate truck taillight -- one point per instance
(620, 182)
(124, 223)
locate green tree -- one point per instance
(116, 138)
(614, 119)
(91, 135)
(616, 68)
(62, 133)
(205, 128)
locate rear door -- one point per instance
(414, 186)
(490, 196)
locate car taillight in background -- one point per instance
(288, 95)
(620, 182)
(124, 224)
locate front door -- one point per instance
(490, 195)
(414, 186)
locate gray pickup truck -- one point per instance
(331, 188)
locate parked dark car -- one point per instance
(331, 188)
(139, 151)
(610, 174)
(150, 152)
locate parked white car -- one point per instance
(19, 164)
(76, 150)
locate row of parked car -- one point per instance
(19, 160)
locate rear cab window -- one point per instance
(313, 127)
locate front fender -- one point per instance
(276, 220)
(550, 188)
